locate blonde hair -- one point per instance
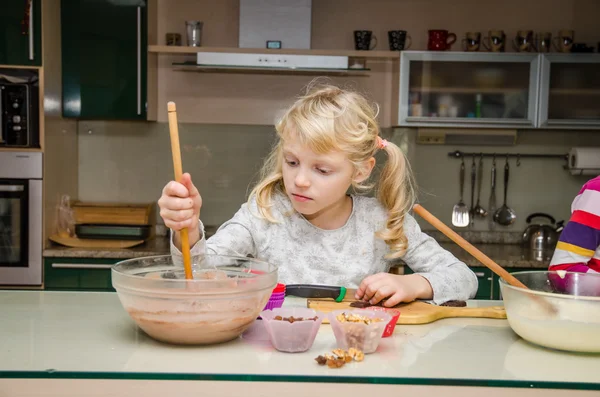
(329, 118)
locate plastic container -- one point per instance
(574, 326)
(391, 325)
(359, 335)
(220, 303)
(292, 337)
(478, 100)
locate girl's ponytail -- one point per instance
(396, 193)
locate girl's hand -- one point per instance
(397, 288)
(180, 205)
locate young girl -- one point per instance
(578, 248)
(300, 217)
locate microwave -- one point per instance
(19, 116)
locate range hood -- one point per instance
(270, 60)
(274, 24)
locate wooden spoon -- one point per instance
(174, 132)
(480, 256)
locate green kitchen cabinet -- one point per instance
(484, 277)
(21, 32)
(489, 287)
(78, 274)
(496, 283)
(104, 59)
(486, 286)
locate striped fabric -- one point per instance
(578, 248)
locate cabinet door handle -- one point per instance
(12, 188)
(1, 124)
(139, 60)
(480, 274)
(79, 266)
(31, 54)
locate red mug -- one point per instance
(440, 40)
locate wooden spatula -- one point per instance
(480, 256)
(176, 151)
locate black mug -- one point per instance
(362, 40)
(398, 40)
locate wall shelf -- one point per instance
(19, 149)
(185, 50)
(574, 91)
(467, 90)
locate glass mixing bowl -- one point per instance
(574, 326)
(220, 303)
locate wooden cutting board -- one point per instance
(75, 242)
(417, 312)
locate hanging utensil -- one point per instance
(479, 210)
(473, 176)
(492, 201)
(505, 215)
(460, 211)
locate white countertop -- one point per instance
(89, 335)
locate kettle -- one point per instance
(542, 236)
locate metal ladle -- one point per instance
(505, 215)
(479, 210)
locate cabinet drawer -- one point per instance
(78, 274)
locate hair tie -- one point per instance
(381, 143)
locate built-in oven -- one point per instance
(21, 218)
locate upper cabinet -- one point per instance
(499, 90)
(468, 89)
(21, 33)
(570, 91)
(104, 52)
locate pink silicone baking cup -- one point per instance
(295, 337)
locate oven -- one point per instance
(21, 219)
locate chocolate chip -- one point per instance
(360, 304)
(454, 303)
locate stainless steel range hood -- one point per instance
(271, 60)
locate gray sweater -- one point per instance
(306, 254)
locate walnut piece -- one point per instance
(356, 318)
(340, 357)
(359, 356)
(338, 352)
(321, 360)
(336, 363)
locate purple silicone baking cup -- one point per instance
(273, 303)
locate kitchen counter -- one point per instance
(506, 255)
(68, 343)
(154, 246)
